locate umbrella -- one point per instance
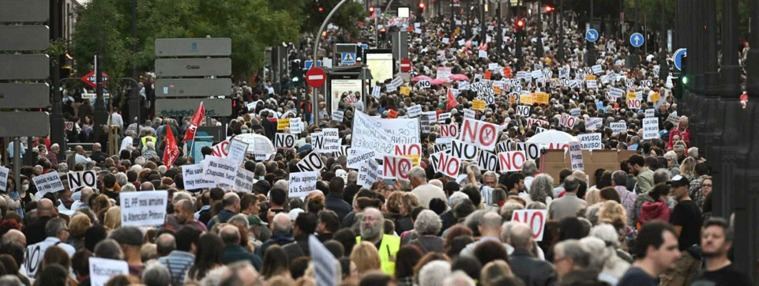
(552, 139)
(438, 81)
(421, 78)
(458, 76)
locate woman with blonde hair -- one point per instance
(495, 270)
(688, 168)
(366, 257)
(399, 211)
(78, 225)
(112, 218)
(614, 213)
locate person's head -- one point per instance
(187, 237)
(184, 211)
(372, 226)
(165, 243)
(417, 176)
(607, 233)
(495, 271)
(568, 256)
(636, 163)
(231, 202)
(490, 224)
(707, 185)
(55, 255)
(130, 240)
(45, 207)
(208, 255)
(619, 178)
(657, 244)
(434, 272)
(661, 176)
(336, 186)
(53, 274)
(305, 224)
(112, 219)
(490, 179)
(230, 234)
(520, 236)
(530, 168)
(542, 188)
(716, 238)
(281, 224)
(427, 223)
(679, 187)
(56, 227)
(365, 256)
(109, 249)
(682, 123)
(406, 258)
(571, 184)
(155, 274)
(490, 250)
(469, 265)
(273, 264)
(14, 236)
(375, 278)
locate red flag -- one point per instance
(197, 118)
(170, 150)
(452, 103)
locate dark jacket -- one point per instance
(336, 203)
(533, 271)
(276, 239)
(581, 278)
(429, 243)
(35, 231)
(234, 253)
(223, 216)
(297, 249)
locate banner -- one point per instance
(102, 270)
(594, 123)
(357, 157)
(479, 133)
(536, 219)
(47, 183)
(194, 178)
(590, 141)
(302, 183)
(312, 162)
(144, 208)
(381, 135)
(78, 180)
(219, 170)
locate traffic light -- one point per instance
(549, 9)
(421, 6)
(371, 12)
(321, 9)
(519, 25)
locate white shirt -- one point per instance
(127, 142)
(54, 241)
(117, 120)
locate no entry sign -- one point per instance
(315, 77)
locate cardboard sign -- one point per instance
(590, 141)
(194, 178)
(396, 167)
(411, 151)
(487, 161)
(536, 219)
(650, 128)
(414, 111)
(237, 150)
(479, 104)
(511, 161)
(221, 171)
(284, 141)
(47, 183)
(102, 270)
(618, 127)
(283, 123)
(244, 180)
(524, 110)
(633, 103)
(567, 121)
(368, 173)
(302, 183)
(650, 112)
(468, 113)
(77, 180)
(593, 123)
(338, 115)
(4, 178)
(575, 155)
(357, 157)
(464, 151)
(144, 208)
(446, 164)
(312, 162)
(479, 133)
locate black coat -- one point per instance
(533, 271)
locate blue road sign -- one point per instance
(637, 40)
(678, 58)
(308, 64)
(348, 58)
(591, 35)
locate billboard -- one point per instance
(348, 91)
(381, 65)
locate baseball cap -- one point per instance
(678, 181)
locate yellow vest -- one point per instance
(144, 140)
(388, 249)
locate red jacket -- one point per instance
(653, 210)
(684, 135)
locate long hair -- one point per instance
(210, 250)
(273, 263)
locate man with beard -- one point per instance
(656, 252)
(184, 215)
(716, 241)
(372, 230)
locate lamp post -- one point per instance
(314, 95)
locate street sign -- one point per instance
(25, 38)
(193, 67)
(24, 95)
(180, 107)
(193, 87)
(405, 65)
(678, 58)
(347, 58)
(637, 40)
(13, 11)
(183, 47)
(315, 77)
(89, 79)
(24, 66)
(591, 35)
(34, 124)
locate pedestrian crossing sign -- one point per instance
(348, 58)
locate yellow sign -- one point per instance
(654, 97)
(415, 159)
(527, 98)
(631, 95)
(405, 90)
(283, 123)
(590, 77)
(541, 98)
(479, 104)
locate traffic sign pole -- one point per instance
(314, 99)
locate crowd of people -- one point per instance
(647, 222)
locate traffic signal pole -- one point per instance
(314, 95)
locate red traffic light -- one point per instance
(520, 23)
(321, 9)
(421, 6)
(549, 8)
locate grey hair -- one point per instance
(536, 206)
(239, 218)
(458, 278)
(506, 232)
(619, 178)
(215, 276)
(156, 274)
(507, 210)
(427, 223)
(541, 188)
(573, 249)
(178, 196)
(607, 233)
(434, 272)
(529, 168)
(520, 235)
(417, 172)
(128, 187)
(672, 155)
(9, 280)
(661, 176)
(282, 185)
(108, 248)
(121, 178)
(55, 226)
(600, 252)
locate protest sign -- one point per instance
(597, 69)
(575, 112)
(591, 84)
(464, 151)
(673, 118)
(479, 104)
(468, 113)
(650, 128)
(567, 121)
(442, 117)
(368, 173)
(423, 84)
(396, 167)
(590, 141)
(244, 180)
(78, 180)
(325, 264)
(618, 127)
(312, 162)
(47, 183)
(511, 161)
(575, 155)
(650, 112)
(414, 111)
(479, 133)
(317, 141)
(404, 90)
(284, 141)
(376, 92)
(446, 164)
(332, 140)
(532, 150)
(338, 115)
(614, 93)
(381, 135)
(536, 219)
(357, 157)
(237, 150)
(411, 151)
(487, 160)
(33, 256)
(144, 208)
(296, 125)
(283, 123)
(593, 123)
(194, 178)
(102, 270)
(220, 170)
(633, 103)
(449, 131)
(221, 149)
(443, 73)
(302, 183)
(523, 110)
(4, 178)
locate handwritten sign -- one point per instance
(47, 183)
(145, 208)
(102, 270)
(4, 178)
(302, 183)
(650, 128)
(220, 170)
(575, 155)
(194, 178)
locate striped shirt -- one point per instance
(178, 262)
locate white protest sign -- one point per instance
(144, 208)
(591, 84)
(567, 121)
(33, 256)
(325, 264)
(479, 133)
(424, 84)
(302, 183)
(532, 150)
(381, 135)
(615, 93)
(79, 180)
(102, 270)
(47, 183)
(396, 167)
(482, 54)
(221, 149)
(511, 161)
(332, 140)
(244, 180)
(464, 151)
(376, 92)
(449, 131)
(284, 141)
(590, 141)
(338, 115)
(673, 118)
(312, 162)
(296, 125)
(357, 157)
(4, 178)
(442, 117)
(597, 69)
(650, 112)
(575, 112)
(317, 141)
(575, 155)
(414, 111)
(650, 128)
(220, 170)
(443, 73)
(487, 161)
(468, 113)
(237, 150)
(368, 173)
(463, 85)
(594, 123)
(536, 219)
(446, 164)
(524, 110)
(618, 127)
(194, 178)
(411, 151)
(633, 103)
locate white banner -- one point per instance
(79, 180)
(302, 183)
(220, 170)
(414, 111)
(650, 128)
(47, 183)
(593, 123)
(144, 208)
(102, 270)
(381, 135)
(194, 178)
(357, 157)
(590, 141)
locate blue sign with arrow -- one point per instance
(637, 40)
(678, 58)
(591, 35)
